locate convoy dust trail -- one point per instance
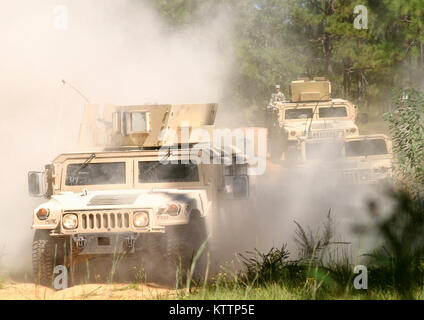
(140, 61)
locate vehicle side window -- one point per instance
(80, 174)
(305, 113)
(156, 172)
(332, 112)
(370, 147)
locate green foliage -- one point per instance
(314, 275)
(313, 246)
(277, 41)
(177, 12)
(397, 267)
(399, 263)
(183, 13)
(406, 124)
(270, 267)
(267, 49)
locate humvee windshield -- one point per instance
(370, 147)
(79, 174)
(305, 113)
(156, 172)
(323, 150)
(332, 112)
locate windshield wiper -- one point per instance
(86, 162)
(159, 162)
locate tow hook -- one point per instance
(130, 241)
(80, 241)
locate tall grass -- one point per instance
(2, 276)
(272, 275)
(316, 271)
(324, 268)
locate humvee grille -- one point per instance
(325, 134)
(357, 176)
(321, 126)
(106, 221)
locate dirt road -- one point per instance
(30, 291)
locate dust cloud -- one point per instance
(122, 52)
(113, 51)
(283, 196)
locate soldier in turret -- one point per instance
(271, 121)
(278, 96)
(271, 109)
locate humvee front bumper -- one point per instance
(364, 176)
(316, 134)
(105, 243)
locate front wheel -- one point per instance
(47, 252)
(186, 247)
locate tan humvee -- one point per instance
(145, 183)
(368, 160)
(313, 114)
(364, 159)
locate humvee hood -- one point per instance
(128, 199)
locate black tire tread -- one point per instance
(181, 247)
(45, 250)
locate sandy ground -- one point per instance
(30, 291)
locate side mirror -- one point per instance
(125, 123)
(37, 184)
(364, 118)
(116, 122)
(241, 187)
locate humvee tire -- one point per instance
(182, 244)
(47, 252)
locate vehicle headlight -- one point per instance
(43, 214)
(141, 219)
(70, 221)
(173, 209)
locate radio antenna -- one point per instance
(76, 90)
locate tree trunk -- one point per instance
(328, 46)
(328, 53)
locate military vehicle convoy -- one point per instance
(318, 132)
(311, 113)
(145, 178)
(365, 159)
(134, 187)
